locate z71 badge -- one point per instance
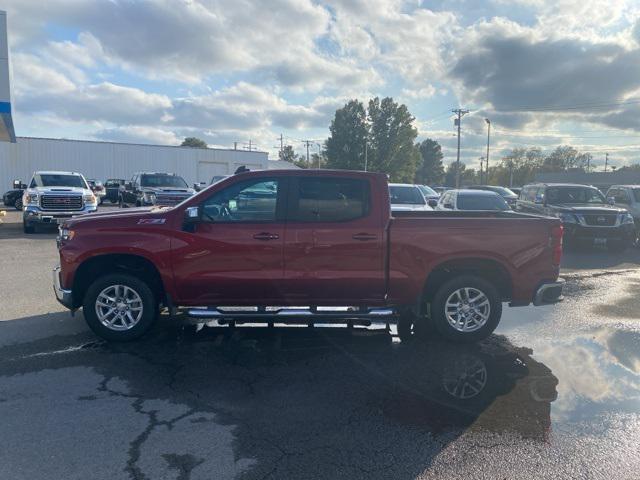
(151, 221)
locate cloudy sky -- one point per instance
(155, 71)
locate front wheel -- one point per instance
(18, 204)
(466, 309)
(120, 307)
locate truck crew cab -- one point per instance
(154, 188)
(318, 238)
(53, 197)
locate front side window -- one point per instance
(58, 180)
(330, 200)
(248, 201)
(162, 181)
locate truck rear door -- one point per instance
(334, 241)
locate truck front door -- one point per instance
(234, 256)
(334, 242)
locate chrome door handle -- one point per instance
(266, 236)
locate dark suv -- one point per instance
(153, 188)
(584, 211)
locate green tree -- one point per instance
(345, 147)
(430, 170)
(391, 140)
(287, 154)
(193, 142)
(468, 176)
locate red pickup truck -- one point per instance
(276, 239)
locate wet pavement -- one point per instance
(555, 393)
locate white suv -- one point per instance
(54, 196)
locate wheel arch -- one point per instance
(104, 264)
(488, 269)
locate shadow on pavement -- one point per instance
(301, 402)
(594, 258)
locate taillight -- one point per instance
(556, 243)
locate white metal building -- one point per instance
(102, 160)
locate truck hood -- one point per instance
(59, 190)
(588, 208)
(189, 191)
(120, 214)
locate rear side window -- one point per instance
(329, 200)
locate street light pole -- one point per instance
(486, 165)
(366, 144)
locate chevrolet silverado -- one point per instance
(327, 240)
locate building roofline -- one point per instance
(139, 144)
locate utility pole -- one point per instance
(488, 137)
(307, 143)
(606, 161)
(481, 161)
(281, 144)
(460, 113)
(235, 145)
(366, 153)
(319, 154)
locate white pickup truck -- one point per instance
(52, 197)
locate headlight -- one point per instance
(66, 234)
(30, 199)
(627, 218)
(567, 217)
(89, 198)
(149, 197)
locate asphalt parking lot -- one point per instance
(555, 393)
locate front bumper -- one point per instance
(549, 292)
(580, 233)
(65, 297)
(34, 214)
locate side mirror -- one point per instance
(127, 185)
(196, 187)
(192, 215)
(448, 205)
(611, 200)
(432, 203)
(539, 199)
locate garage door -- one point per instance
(208, 170)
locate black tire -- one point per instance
(439, 317)
(18, 204)
(149, 303)
(28, 229)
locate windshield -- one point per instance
(58, 180)
(427, 191)
(562, 195)
(406, 195)
(481, 202)
(163, 181)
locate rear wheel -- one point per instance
(466, 309)
(120, 307)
